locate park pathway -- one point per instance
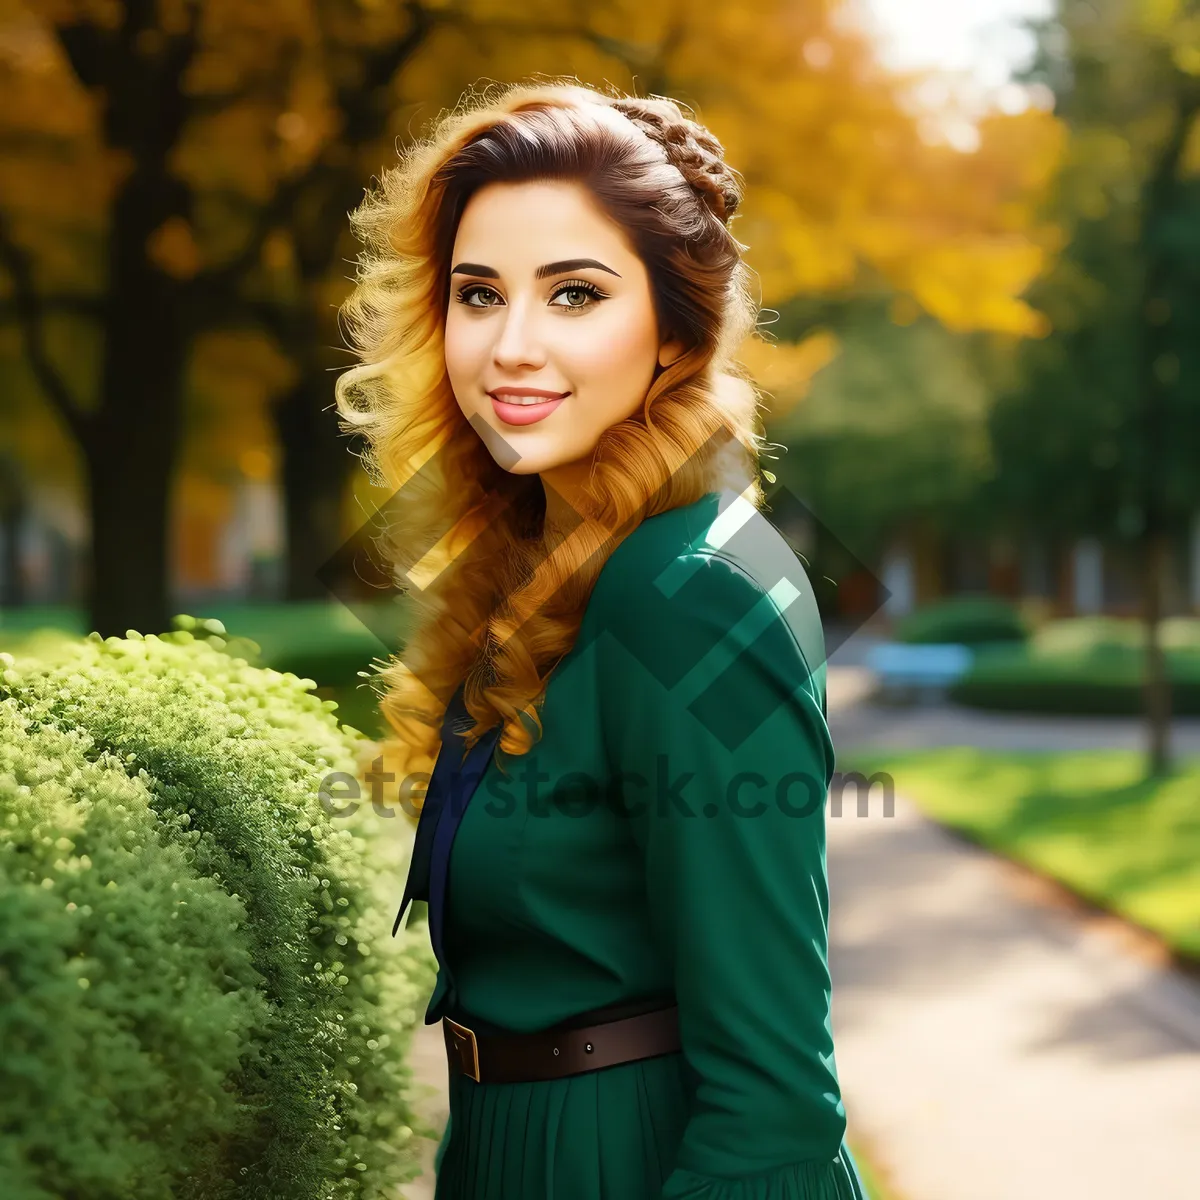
(994, 1041)
(428, 1061)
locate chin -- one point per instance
(532, 453)
(525, 466)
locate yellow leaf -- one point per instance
(785, 370)
(1187, 58)
(172, 247)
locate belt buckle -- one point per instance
(465, 1047)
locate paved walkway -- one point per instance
(428, 1061)
(995, 1045)
(994, 1041)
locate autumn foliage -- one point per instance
(177, 176)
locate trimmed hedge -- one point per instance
(106, 930)
(199, 996)
(1097, 637)
(966, 620)
(1106, 681)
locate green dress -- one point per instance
(665, 836)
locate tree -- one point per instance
(1112, 394)
(892, 436)
(180, 166)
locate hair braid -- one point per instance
(689, 147)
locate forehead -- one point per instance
(526, 224)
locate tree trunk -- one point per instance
(12, 580)
(318, 459)
(128, 569)
(12, 514)
(136, 431)
(316, 465)
(131, 458)
(1156, 558)
(1158, 369)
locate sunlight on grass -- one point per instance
(1088, 819)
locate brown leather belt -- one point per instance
(557, 1053)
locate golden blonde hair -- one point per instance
(496, 604)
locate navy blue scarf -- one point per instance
(452, 783)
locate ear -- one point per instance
(669, 351)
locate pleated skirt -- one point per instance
(610, 1134)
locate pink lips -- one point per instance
(523, 414)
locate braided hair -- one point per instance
(690, 148)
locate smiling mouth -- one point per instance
(527, 398)
(519, 409)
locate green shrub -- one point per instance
(1101, 637)
(108, 1076)
(197, 981)
(966, 620)
(1090, 637)
(1100, 679)
(1179, 633)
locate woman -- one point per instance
(626, 871)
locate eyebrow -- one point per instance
(554, 268)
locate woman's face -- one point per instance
(550, 303)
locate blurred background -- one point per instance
(976, 229)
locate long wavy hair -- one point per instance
(497, 598)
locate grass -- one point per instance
(1090, 820)
(358, 707)
(322, 640)
(275, 626)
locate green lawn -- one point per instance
(322, 640)
(1089, 820)
(357, 706)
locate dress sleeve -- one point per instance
(721, 759)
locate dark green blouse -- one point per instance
(666, 835)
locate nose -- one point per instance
(517, 342)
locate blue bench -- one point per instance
(927, 668)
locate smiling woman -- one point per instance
(551, 354)
(556, 244)
(635, 1001)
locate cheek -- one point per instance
(618, 353)
(464, 350)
